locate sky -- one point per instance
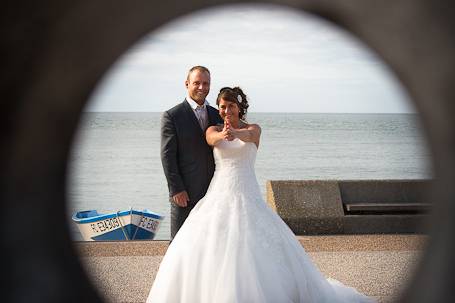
(284, 60)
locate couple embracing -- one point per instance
(228, 245)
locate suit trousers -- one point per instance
(178, 216)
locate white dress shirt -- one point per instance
(200, 111)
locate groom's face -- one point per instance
(198, 85)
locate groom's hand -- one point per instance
(181, 198)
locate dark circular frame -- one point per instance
(54, 53)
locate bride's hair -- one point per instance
(236, 95)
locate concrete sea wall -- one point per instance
(312, 207)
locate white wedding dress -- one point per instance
(234, 248)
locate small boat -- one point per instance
(121, 225)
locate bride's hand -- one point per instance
(227, 131)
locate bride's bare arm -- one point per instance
(213, 135)
(251, 133)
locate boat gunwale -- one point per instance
(115, 214)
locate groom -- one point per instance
(186, 157)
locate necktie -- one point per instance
(200, 116)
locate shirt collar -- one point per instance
(193, 103)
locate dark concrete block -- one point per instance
(384, 224)
(381, 191)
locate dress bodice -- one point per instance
(235, 157)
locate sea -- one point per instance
(115, 159)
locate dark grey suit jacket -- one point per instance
(186, 157)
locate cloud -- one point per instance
(268, 49)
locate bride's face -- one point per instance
(228, 110)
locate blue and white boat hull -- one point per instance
(123, 225)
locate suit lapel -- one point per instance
(211, 114)
(210, 117)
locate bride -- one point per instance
(233, 247)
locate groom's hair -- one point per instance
(199, 68)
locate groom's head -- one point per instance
(198, 83)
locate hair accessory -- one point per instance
(239, 98)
